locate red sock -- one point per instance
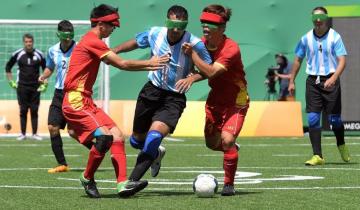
(118, 158)
(94, 161)
(230, 165)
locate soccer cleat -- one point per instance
(58, 169)
(90, 187)
(22, 137)
(36, 137)
(156, 165)
(315, 160)
(237, 146)
(128, 188)
(344, 152)
(228, 190)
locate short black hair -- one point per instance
(101, 11)
(65, 26)
(179, 11)
(29, 36)
(320, 8)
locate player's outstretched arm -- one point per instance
(46, 74)
(126, 46)
(154, 63)
(206, 69)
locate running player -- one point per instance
(228, 101)
(58, 58)
(82, 115)
(162, 100)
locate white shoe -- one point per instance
(21, 137)
(237, 146)
(36, 137)
(156, 165)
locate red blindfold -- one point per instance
(112, 18)
(211, 17)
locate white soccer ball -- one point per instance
(205, 185)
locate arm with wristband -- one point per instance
(9, 76)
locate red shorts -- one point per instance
(229, 119)
(83, 116)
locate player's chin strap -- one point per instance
(111, 18)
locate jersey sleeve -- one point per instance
(300, 50)
(10, 63)
(339, 47)
(97, 47)
(201, 50)
(232, 52)
(50, 60)
(142, 39)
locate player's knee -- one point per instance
(72, 133)
(135, 143)
(103, 143)
(54, 130)
(314, 119)
(152, 143)
(335, 121)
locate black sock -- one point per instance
(315, 139)
(143, 163)
(339, 134)
(56, 145)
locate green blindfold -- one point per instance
(65, 35)
(179, 24)
(321, 17)
(210, 25)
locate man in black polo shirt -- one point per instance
(28, 89)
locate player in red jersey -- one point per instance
(228, 101)
(82, 115)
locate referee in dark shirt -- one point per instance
(29, 61)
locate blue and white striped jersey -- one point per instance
(180, 65)
(321, 52)
(59, 60)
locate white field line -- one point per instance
(52, 155)
(170, 169)
(174, 139)
(210, 155)
(182, 189)
(290, 155)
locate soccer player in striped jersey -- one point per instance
(325, 62)
(162, 100)
(58, 59)
(228, 101)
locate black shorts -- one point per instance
(156, 104)
(319, 99)
(56, 117)
(28, 97)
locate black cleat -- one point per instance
(228, 190)
(131, 188)
(90, 187)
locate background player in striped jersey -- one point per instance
(162, 100)
(29, 61)
(228, 101)
(325, 62)
(58, 58)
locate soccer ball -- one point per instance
(205, 185)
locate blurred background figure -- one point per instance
(282, 73)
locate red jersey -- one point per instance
(84, 64)
(228, 88)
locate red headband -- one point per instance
(112, 18)
(211, 17)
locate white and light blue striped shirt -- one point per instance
(321, 52)
(180, 65)
(59, 60)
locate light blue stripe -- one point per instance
(325, 54)
(316, 54)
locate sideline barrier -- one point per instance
(273, 119)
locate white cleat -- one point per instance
(21, 137)
(156, 165)
(36, 137)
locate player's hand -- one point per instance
(187, 48)
(184, 85)
(157, 62)
(42, 88)
(291, 88)
(12, 84)
(329, 83)
(41, 79)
